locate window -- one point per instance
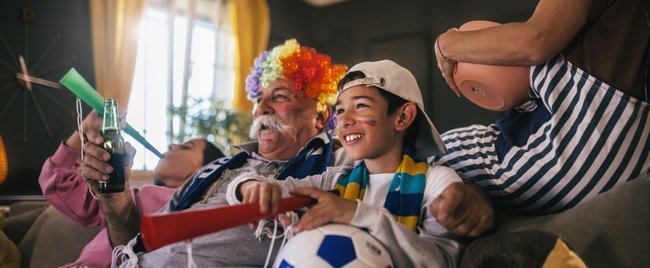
(161, 85)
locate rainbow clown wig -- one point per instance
(307, 69)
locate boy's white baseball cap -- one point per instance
(390, 76)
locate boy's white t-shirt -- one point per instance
(377, 188)
(438, 178)
(432, 246)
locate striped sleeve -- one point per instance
(596, 138)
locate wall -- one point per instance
(56, 39)
(404, 31)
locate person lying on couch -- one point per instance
(68, 192)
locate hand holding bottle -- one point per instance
(95, 167)
(114, 145)
(92, 130)
(106, 162)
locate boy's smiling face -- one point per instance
(365, 129)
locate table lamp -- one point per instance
(3, 162)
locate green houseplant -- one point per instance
(214, 120)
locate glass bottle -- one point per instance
(114, 145)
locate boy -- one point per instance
(380, 112)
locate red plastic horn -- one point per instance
(496, 88)
(161, 230)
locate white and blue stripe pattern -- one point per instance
(595, 138)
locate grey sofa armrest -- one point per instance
(610, 230)
(20, 218)
(54, 240)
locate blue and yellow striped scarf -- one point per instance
(405, 194)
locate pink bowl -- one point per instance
(496, 88)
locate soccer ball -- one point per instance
(333, 245)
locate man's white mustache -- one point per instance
(270, 122)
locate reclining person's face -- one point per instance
(179, 162)
(285, 119)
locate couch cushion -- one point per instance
(610, 230)
(531, 250)
(54, 240)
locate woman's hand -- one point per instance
(446, 64)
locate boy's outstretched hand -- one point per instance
(330, 208)
(463, 209)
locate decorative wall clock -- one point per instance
(27, 76)
(52, 37)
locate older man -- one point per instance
(293, 88)
(291, 115)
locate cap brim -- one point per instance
(429, 143)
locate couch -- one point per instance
(44, 236)
(610, 230)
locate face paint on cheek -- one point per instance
(285, 111)
(367, 120)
